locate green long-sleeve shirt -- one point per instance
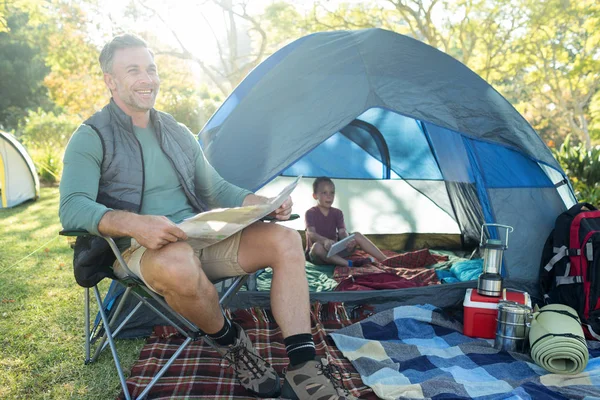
(163, 194)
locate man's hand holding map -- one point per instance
(210, 227)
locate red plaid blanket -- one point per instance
(199, 372)
(410, 266)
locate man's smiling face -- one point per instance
(133, 81)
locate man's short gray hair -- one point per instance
(123, 41)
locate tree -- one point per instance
(3, 21)
(595, 117)
(476, 32)
(543, 56)
(47, 62)
(75, 79)
(22, 66)
(240, 43)
(182, 96)
(560, 66)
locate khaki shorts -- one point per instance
(218, 261)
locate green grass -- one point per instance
(41, 313)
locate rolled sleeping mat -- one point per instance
(557, 341)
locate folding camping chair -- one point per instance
(133, 286)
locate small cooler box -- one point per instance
(481, 312)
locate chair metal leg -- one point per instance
(107, 338)
(86, 314)
(111, 342)
(102, 345)
(251, 283)
(183, 326)
(177, 316)
(165, 367)
(233, 289)
(109, 333)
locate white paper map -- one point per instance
(212, 226)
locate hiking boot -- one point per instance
(315, 380)
(254, 373)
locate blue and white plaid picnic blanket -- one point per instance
(416, 352)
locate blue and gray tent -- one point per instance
(378, 107)
(414, 129)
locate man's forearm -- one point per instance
(252, 199)
(151, 231)
(118, 223)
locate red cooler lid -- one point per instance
(474, 299)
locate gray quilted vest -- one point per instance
(122, 179)
(122, 175)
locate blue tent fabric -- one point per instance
(340, 75)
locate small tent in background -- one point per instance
(416, 142)
(18, 177)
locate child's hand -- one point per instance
(351, 245)
(328, 243)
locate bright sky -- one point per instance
(196, 22)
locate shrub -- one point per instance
(48, 162)
(46, 135)
(582, 166)
(42, 130)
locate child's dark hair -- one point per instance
(320, 180)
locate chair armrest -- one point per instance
(74, 232)
(109, 240)
(270, 218)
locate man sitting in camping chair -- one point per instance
(133, 172)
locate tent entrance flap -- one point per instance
(378, 207)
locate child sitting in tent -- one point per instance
(325, 226)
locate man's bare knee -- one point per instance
(174, 253)
(177, 270)
(289, 245)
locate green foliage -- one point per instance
(43, 129)
(283, 23)
(46, 135)
(48, 163)
(3, 23)
(582, 166)
(75, 81)
(181, 96)
(558, 66)
(595, 118)
(22, 68)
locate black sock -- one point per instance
(226, 335)
(300, 348)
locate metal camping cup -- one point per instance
(512, 327)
